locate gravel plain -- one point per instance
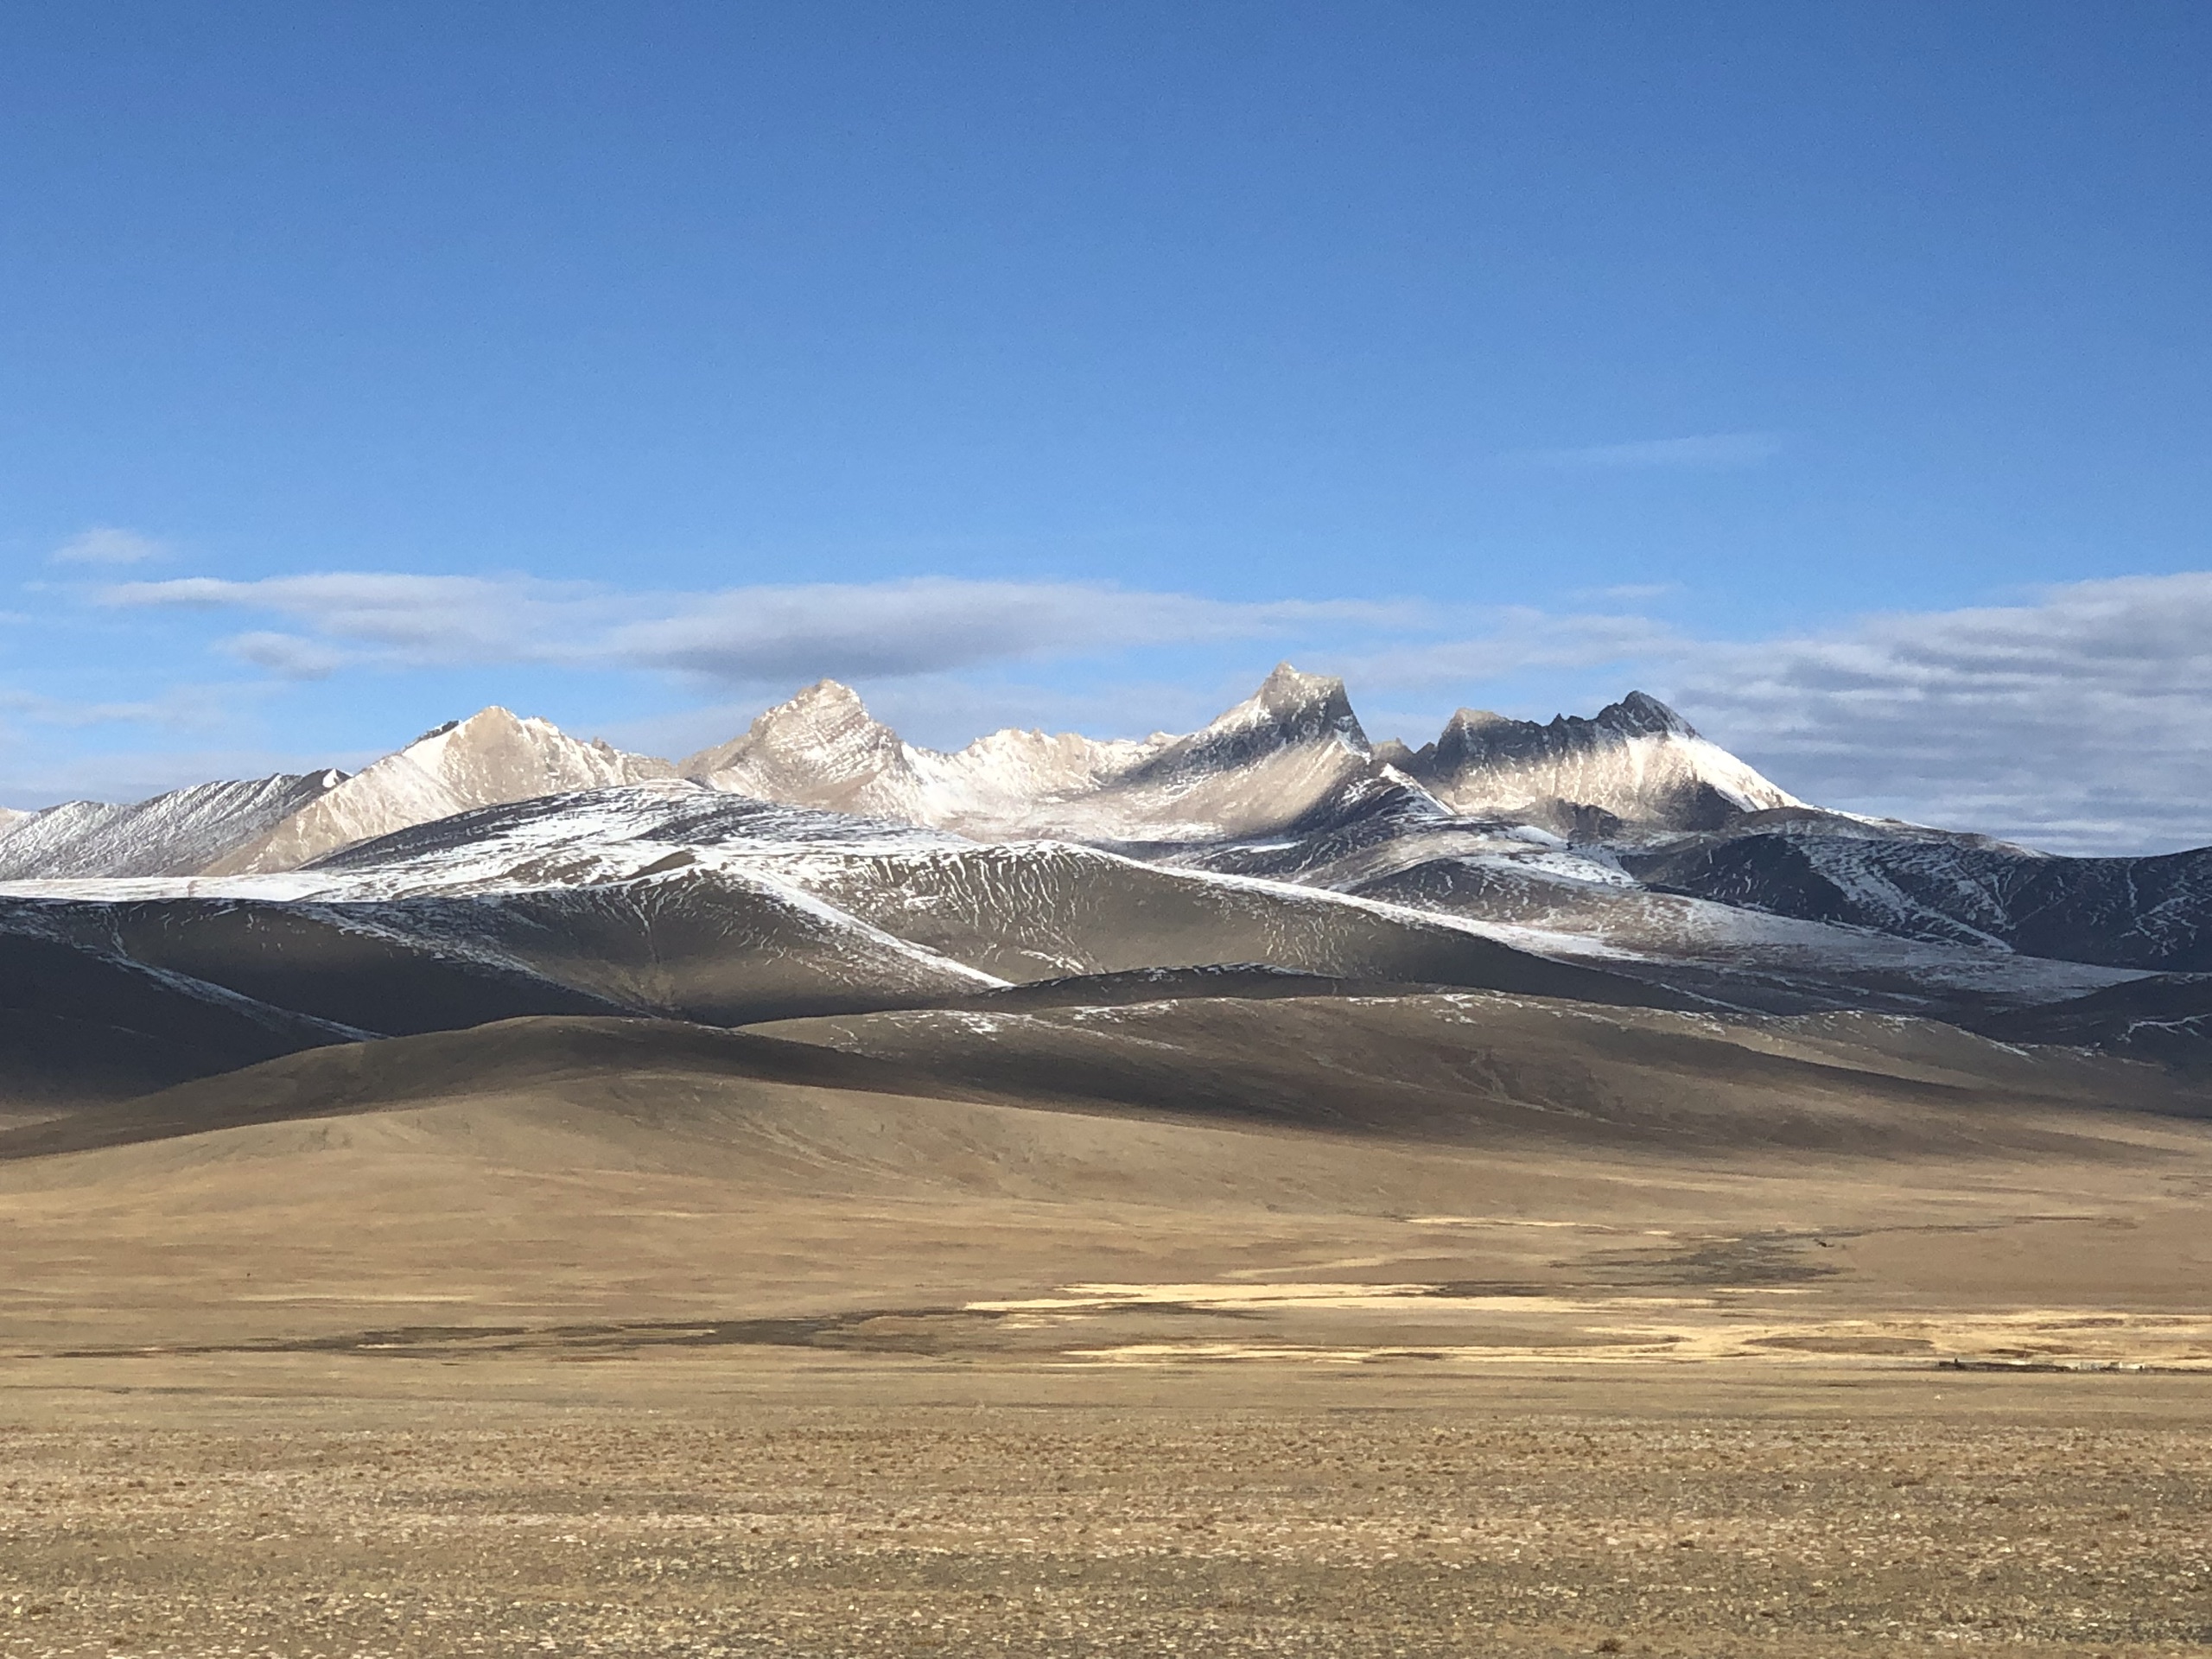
(760, 1503)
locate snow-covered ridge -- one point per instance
(175, 833)
(823, 749)
(1275, 758)
(1291, 755)
(1636, 763)
(491, 758)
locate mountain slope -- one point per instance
(1637, 763)
(491, 756)
(1271, 758)
(77, 1022)
(1011, 911)
(2152, 913)
(181, 833)
(1485, 1070)
(498, 867)
(823, 749)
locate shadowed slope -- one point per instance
(1485, 1069)
(76, 1024)
(635, 1055)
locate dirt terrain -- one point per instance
(729, 1502)
(1411, 1326)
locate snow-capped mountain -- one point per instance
(491, 758)
(1264, 763)
(1273, 760)
(1290, 755)
(672, 900)
(181, 833)
(824, 749)
(817, 862)
(1638, 764)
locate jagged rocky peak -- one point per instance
(494, 757)
(1640, 712)
(1300, 706)
(1267, 757)
(1473, 736)
(1268, 762)
(1290, 711)
(1635, 763)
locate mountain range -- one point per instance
(818, 865)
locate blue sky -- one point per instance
(1842, 372)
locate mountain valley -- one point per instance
(1263, 1190)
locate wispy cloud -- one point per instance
(107, 545)
(2075, 721)
(739, 636)
(182, 707)
(1512, 640)
(1709, 451)
(285, 655)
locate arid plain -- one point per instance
(1391, 1325)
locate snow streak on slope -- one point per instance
(489, 758)
(177, 834)
(2131, 912)
(1282, 754)
(823, 749)
(1637, 763)
(946, 913)
(635, 899)
(1264, 762)
(1278, 834)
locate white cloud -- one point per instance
(1705, 451)
(285, 655)
(185, 707)
(740, 636)
(1629, 592)
(897, 629)
(2077, 722)
(107, 545)
(1515, 640)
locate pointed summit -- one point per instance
(1289, 708)
(492, 757)
(827, 718)
(1640, 713)
(821, 748)
(1262, 764)
(1288, 693)
(1636, 763)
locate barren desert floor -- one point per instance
(641, 1356)
(742, 1500)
